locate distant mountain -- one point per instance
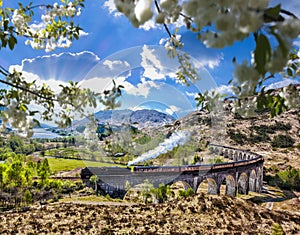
(149, 118)
(140, 118)
(44, 126)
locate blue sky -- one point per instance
(112, 48)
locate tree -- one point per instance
(94, 180)
(127, 186)
(15, 173)
(2, 174)
(43, 170)
(15, 143)
(27, 197)
(162, 192)
(221, 23)
(217, 24)
(29, 172)
(147, 189)
(58, 31)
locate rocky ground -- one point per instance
(199, 214)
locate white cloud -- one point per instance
(136, 108)
(37, 27)
(172, 109)
(282, 83)
(110, 5)
(142, 89)
(30, 77)
(97, 84)
(212, 63)
(163, 41)
(191, 94)
(224, 89)
(61, 56)
(297, 42)
(63, 66)
(157, 66)
(82, 33)
(100, 84)
(150, 24)
(151, 64)
(116, 65)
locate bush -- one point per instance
(215, 160)
(27, 197)
(237, 136)
(277, 229)
(162, 192)
(186, 193)
(282, 141)
(289, 179)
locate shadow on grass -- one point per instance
(272, 195)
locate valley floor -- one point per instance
(199, 214)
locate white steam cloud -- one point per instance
(177, 138)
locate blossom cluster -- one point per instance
(172, 44)
(245, 80)
(232, 19)
(44, 35)
(20, 21)
(138, 12)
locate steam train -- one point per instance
(199, 167)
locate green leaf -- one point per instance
(5, 25)
(272, 13)
(36, 122)
(262, 53)
(23, 107)
(12, 41)
(289, 72)
(283, 47)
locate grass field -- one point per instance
(60, 164)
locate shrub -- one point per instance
(162, 193)
(186, 193)
(27, 197)
(289, 179)
(215, 160)
(237, 136)
(277, 229)
(282, 141)
(281, 127)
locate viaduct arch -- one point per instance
(242, 175)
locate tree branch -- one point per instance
(289, 13)
(6, 73)
(165, 25)
(27, 90)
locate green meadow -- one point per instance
(61, 164)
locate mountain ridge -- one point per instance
(139, 118)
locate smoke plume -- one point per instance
(177, 138)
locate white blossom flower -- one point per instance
(168, 5)
(289, 27)
(258, 4)
(78, 12)
(143, 11)
(160, 18)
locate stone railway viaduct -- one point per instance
(242, 174)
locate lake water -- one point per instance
(42, 133)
